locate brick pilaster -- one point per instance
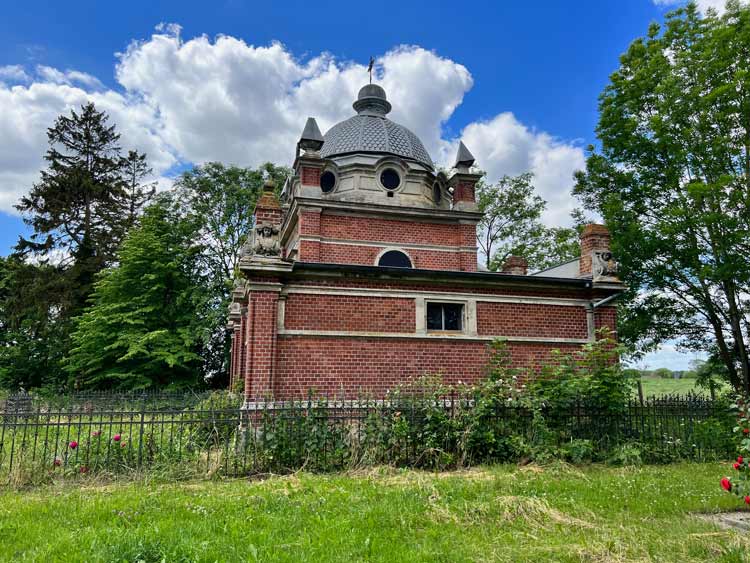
(261, 338)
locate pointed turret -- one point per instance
(464, 158)
(463, 180)
(312, 138)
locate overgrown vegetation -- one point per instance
(580, 410)
(99, 295)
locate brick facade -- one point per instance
(316, 311)
(349, 338)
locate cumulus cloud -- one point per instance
(703, 5)
(224, 99)
(29, 110)
(13, 73)
(503, 145)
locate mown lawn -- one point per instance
(490, 514)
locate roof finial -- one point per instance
(369, 67)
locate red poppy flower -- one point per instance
(57, 462)
(73, 445)
(116, 437)
(736, 465)
(740, 459)
(747, 499)
(726, 484)
(746, 430)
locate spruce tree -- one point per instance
(78, 208)
(137, 192)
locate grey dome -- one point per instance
(371, 132)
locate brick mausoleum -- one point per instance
(363, 274)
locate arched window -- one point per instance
(395, 259)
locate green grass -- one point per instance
(489, 514)
(659, 386)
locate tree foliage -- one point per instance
(32, 331)
(219, 201)
(672, 181)
(143, 328)
(511, 225)
(86, 200)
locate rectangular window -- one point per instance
(445, 316)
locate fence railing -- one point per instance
(218, 435)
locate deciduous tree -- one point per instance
(672, 181)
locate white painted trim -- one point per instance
(448, 295)
(427, 336)
(411, 246)
(264, 286)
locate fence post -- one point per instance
(640, 392)
(140, 435)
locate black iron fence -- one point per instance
(217, 435)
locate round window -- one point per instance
(437, 193)
(327, 181)
(390, 179)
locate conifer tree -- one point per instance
(78, 210)
(143, 328)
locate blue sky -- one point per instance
(517, 81)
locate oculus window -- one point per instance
(395, 259)
(327, 181)
(390, 179)
(445, 316)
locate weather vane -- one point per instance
(369, 68)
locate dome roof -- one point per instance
(371, 132)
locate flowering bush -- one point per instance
(739, 482)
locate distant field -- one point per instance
(503, 513)
(658, 386)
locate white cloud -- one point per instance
(703, 5)
(227, 100)
(670, 356)
(503, 145)
(29, 110)
(14, 73)
(69, 77)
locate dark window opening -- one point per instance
(437, 193)
(390, 179)
(327, 181)
(395, 259)
(445, 316)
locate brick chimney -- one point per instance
(516, 265)
(267, 208)
(594, 239)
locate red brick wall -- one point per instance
(464, 191)
(349, 227)
(261, 346)
(310, 176)
(333, 253)
(349, 366)
(606, 316)
(341, 312)
(534, 320)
